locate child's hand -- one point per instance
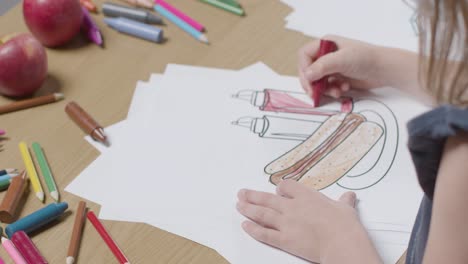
(354, 65)
(306, 223)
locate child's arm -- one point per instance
(448, 235)
(361, 66)
(307, 224)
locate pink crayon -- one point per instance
(196, 25)
(90, 28)
(2, 132)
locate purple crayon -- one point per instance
(90, 28)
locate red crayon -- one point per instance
(107, 238)
(27, 249)
(318, 87)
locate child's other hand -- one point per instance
(304, 222)
(354, 65)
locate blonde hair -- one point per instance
(443, 26)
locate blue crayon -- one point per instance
(181, 23)
(135, 28)
(37, 219)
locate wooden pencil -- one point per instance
(29, 103)
(75, 239)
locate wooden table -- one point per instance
(102, 81)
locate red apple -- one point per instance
(53, 22)
(23, 65)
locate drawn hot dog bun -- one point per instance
(302, 150)
(329, 153)
(344, 157)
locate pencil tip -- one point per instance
(70, 260)
(40, 195)
(204, 38)
(59, 96)
(55, 195)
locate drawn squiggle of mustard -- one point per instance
(329, 153)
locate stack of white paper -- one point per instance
(195, 136)
(385, 22)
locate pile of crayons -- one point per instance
(136, 22)
(22, 249)
(17, 243)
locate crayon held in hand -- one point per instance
(86, 122)
(318, 87)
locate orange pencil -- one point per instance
(89, 5)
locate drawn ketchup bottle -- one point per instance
(279, 127)
(293, 102)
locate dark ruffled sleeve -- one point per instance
(427, 135)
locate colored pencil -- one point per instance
(89, 5)
(192, 22)
(107, 238)
(2, 132)
(12, 251)
(4, 182)
(236, 10)
(8, 171)
(29, 103)
(140, 3)
(36, 184)
(181, 24)
(231, 3)
(46, 173)
(75, 239)
(90, 28)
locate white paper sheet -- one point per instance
(387, 23)
(189, 161)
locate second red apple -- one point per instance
(53, 22)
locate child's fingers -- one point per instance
(307, 53)
(264, 199)
(349, 198)
(293, 189)
(268, 236)
(261, 215)
(329, 64)
(305, 84)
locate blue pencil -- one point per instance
(181, 24)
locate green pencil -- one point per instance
(231, 3)
(4, 183)
(227, 7)
(46, 173)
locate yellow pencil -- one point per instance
(28, 163)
